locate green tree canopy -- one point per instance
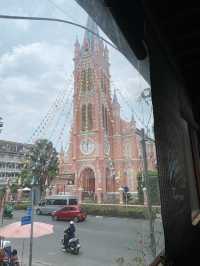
(42, 164)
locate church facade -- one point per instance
(104, 153)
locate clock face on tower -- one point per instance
(87, 146)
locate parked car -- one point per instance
(54, 203)
(73, 212)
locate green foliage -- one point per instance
(22, 205)
(139, 188)
(153, 188)
(26, 177)
(13, 188)
(118, 211)
(44, 161)
(2, 192)
(42, 164)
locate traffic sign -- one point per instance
(29, 211)
(26, 220)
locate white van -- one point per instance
(56, 202)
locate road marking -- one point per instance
(52, 253)
(38, 263)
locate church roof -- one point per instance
(92, 25)
(89, 36)
(115, 99)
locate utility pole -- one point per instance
(1, 124)
(149, 206)
(32, 223)
(31, 236)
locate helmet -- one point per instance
(6, 244)
(71, 222)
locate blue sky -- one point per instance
(36, 62)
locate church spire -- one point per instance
(89, 38)
(132, 118)
(61, 151)
(92, 25)
(77, 44)
(115, 100)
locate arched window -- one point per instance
(87, 121)
(106, 120)
(89, 79)
(83, 80)
(83, 118)
(103, 116)
(90, 121)
(103, 83)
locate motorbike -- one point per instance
(73, 246)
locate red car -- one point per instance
(70, 213)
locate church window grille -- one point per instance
(103, 83)
(90, 122)
(103, 116)
(83, 80)
(86, 113)
(106, 120)
(89, 79)
(83, 113)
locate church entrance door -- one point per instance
(88, 183)
(110, 181)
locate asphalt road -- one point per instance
(103, 240)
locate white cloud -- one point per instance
(32, 73)
(33, 59)
(30, 77)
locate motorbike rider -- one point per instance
(14, 258)
(69, 233)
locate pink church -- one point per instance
(104, 153)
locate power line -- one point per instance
(58, 20)
(68, 98)
(128, 104)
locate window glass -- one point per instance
(49, 202)
(73, 104)
(66, 209)
(73, 202)
(60, 202)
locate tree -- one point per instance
(13, 188)
(43, 164)
(25, 177)
(2, 195)
(2, 192)
(153, 186)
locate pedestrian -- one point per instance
(7, 249)
(2, 256)
(14, 258)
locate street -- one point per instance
(103, 240)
